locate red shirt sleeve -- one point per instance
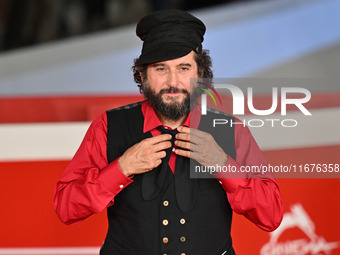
(89, 184)
(256, 196)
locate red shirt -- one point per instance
(89, 184)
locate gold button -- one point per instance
(165, 240)
(182, 239)
(165, 222)
(166, 203)
(182, 221)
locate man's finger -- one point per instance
(183, 153)
(161, 146)
(183, 144)
(194, 133)
(159, 155)
(183, 136)
(183, 129)
(158, 138)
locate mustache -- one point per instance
(173, 90)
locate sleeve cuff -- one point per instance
(232, 177)
(113, 178)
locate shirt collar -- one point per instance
(151, 120)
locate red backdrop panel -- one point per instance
(27, 217)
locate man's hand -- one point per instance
(201, 145)
(145, 155)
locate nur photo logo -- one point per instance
(281, 98)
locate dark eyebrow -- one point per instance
(157, 64)
(185, 64)
(161, 64)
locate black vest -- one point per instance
(158, 226)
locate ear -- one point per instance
(141, 73)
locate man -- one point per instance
(134, 160)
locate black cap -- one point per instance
(169, 34)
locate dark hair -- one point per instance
(203, 62)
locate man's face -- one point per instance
(168, 85)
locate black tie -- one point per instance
(186, 188)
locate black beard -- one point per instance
(172, 111)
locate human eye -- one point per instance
(184, 68)
(160, 69)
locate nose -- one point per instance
(172, 78)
